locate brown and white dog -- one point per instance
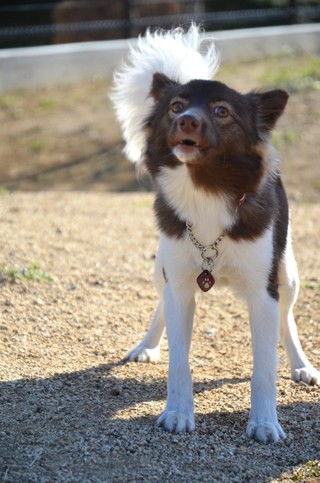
(221, 209)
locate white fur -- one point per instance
(175, 54)
(244, 265)
(195, 205)
(301, 369)
(185, 157)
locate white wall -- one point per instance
(34, 67)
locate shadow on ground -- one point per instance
(69, 428)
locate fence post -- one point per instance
(127, 15)
(292, 11)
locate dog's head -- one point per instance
(217, 132)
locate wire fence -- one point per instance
(132, 25)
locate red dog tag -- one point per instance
(205, 281)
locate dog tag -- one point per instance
(205, 281)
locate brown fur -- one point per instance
(231, 156)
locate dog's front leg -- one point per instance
(179, 306)
(264, 321)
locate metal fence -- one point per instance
(37, 23)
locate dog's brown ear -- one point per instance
(269, 107)
(160, 85)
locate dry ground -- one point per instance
(67, 137)
(71, 412)
(76, 295)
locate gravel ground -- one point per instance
(76, 296)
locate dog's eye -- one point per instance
(221, 111)
(177, 107)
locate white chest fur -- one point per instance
(238, 263)
(210, 215)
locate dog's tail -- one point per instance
(174, 53)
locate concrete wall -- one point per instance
(61, 64)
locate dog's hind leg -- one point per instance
(148, 350)
(301, 368)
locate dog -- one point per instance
(221, 210)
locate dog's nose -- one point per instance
(189, 123)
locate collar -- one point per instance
(243, 199)
(208, 253)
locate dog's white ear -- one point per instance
(269, 107)
(160, 85)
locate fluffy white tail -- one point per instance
(174, 53)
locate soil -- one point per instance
(67, 138)
(76, 295)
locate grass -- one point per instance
(295, 73)
(38, 145)
(3, 190)
(10, 104)
(285, 138)
(7, 101)
(309, 471)
(32, 273)
(47, 104)
(142, 203)
(292, 73)
(310, 284)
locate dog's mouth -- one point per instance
(188, 146)
(187, 150)
(189, 142)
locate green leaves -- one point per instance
(32, 273)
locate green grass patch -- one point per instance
(10, 104)
(309, 471)
(3, 190)
(38, 145)
(286, 138)
(144, 203)
(47, 104)
(310, 284)
(294, 73)
(6, 102)
(315, 184)
(32, 273)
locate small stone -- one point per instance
(115, 391)
(212, 331)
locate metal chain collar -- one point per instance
(209, 253)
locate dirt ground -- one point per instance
(76, 295)
(66, 138)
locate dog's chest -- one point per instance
(238, 261)
(239, 264)
(209, 215)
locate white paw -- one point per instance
(143, 354)
(308, 375)
(265, 431)
(177, 421)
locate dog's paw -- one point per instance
(265, 431)
(176, 422)
(143, 354)
(308, 375)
